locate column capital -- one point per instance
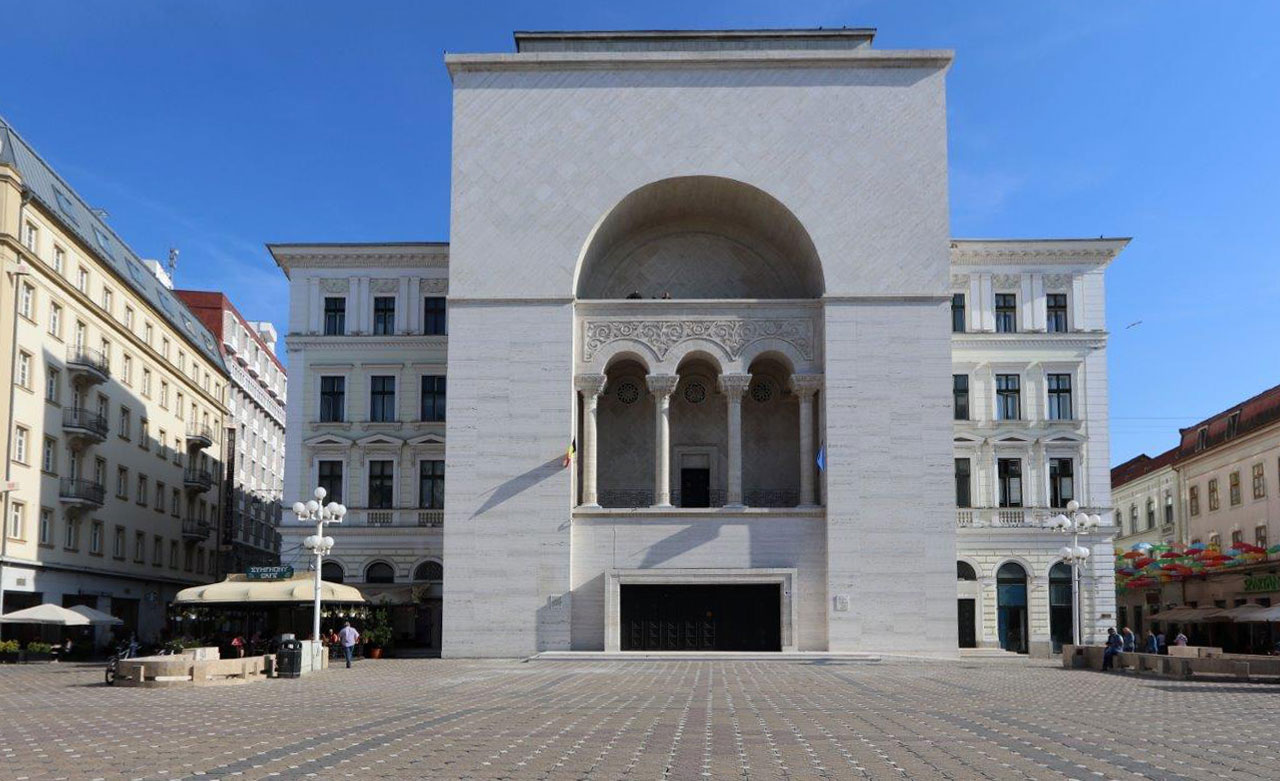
(806, 384)
(590, 384)
(662, 384)
(734, 385)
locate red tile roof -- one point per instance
(1254, 413)
(1141, 465)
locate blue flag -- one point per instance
(822, 457)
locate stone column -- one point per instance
(733, 386)
(591, 385)
(662, 386)
(804, 386)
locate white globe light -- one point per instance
(310, 542)
(1061, 521)
(328, 542)
(1081, 552)
(320, 494)
(299, 508)
(1095, 520)
(313, 506)
(342, 510)
(1065, 552)
(331, 508)
(1072, 506)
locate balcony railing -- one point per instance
(198, 479)
(195, 529)
(81, 491)
(431, 518)
(1010, 517)
(88, 363)
(199, 435)
(631, 498)
(395, 518)
(78, 421)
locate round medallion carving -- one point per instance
(761, 391)
(628, 392)
(695, 392)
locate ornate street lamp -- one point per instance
(1075, 523)
(318, 513)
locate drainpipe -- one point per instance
(19, 271)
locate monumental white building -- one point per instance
(715, 268)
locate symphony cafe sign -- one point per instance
(269, 573)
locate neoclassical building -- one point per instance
(699, 295)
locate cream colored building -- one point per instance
(117, 408)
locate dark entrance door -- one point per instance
(965, 615)
(695, 487)
(702, 618)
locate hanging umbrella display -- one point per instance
(1133, 554)
(1172, 555)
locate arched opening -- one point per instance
(379, 572)
(699, 237)
(966, 605)
(625, 415)
(1061, 612)
(770, 437)
(1011, 607)
(429, 572)
(699, 435)
(332, 572)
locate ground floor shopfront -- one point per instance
(1259, 584)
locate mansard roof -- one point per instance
(1141, 465)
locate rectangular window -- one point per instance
(174, 498)
(95, 538)
(431, 485)
(1006, 313)
(108, 298)
(49, 459)
(164, 347)
(381, 477)
(1060, 397)
(17, 519)
(1233, 488)
(144, 491)
(21, 437)
(31, 237)
(1061, 482)
(960, 396)
(128, 317)
(1168, 508)
(1008, 397)
(122, 482)
(52, 385)
(26, 300)
(964, 496)
(957, 313)
(382, 399)
(433, 398)
(1233, 424)
(55, 319)
(147, 331)
(59, 258)
(1259, 482)
(24, 370)
(1213, 494)
(173, 554)
(333, 394)
(434, 316)
(164, 394)
(1260, 535)
(1056, 315)
(1193, 500)
(139, 547)
(159, 505)
(82, 280)
(1202, 438)
(117, 543)
(146, 382)
(329, 478)
(384, 315)
(1009, 472)
(126, 423)
(157, 551)
(71, 534)
(81, 332)
(46, 526)
(127, 370)
(335, 316)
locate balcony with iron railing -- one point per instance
(199, 435)
(81, 493)
(85, 425)
(1016, 517)
(199, 480)
(195, 529)
(88, 364)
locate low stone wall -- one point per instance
(1206, 661)
(190, 670)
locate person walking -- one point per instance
(1162, 645)
(1151, 647)
(1114, 645)
(1181, 640)
(1130, 642)
(348, 637)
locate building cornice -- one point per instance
(1085, 340)
(383, 256)
(934, 59)
(1015, 252)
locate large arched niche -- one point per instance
(699, 237)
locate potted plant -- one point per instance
(378, 634)
(8, 651)
(38, 652)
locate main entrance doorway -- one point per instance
(679, 617)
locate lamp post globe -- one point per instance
(318, 544)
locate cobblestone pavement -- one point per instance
(642, 720)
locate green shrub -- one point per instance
(8, 646)
(39, 648)
(378, 633)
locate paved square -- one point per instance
(644, 720)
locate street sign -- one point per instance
(269, 573)
(8, 485)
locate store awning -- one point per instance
(97, 616)
(1192, 614)
(48, 614)
(300, 589)
(387, 594)
(1254, 613)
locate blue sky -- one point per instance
(219, 126)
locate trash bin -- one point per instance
(289, 659)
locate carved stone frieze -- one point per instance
(384, 285)
(434, 285)
(1057, 281)
(733, 335)
(335, 285)
(960, 280)
(591, 385)
(1006, 281)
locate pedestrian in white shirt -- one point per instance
(348, 637)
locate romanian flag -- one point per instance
(570, 453)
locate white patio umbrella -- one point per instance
(97, 617)
(48, 613)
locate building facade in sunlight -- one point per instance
(704, 312)
(114, 406)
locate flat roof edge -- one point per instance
(854, 58)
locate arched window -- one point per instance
(379, 572)
(429, 571)
(1011, 607)
(964, 571)
(331, 571)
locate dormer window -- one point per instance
(1202, 438)
(1233, 424)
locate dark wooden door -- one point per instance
(966, 615)
(695, 487)
(701, 617)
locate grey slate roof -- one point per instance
(58, 199)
